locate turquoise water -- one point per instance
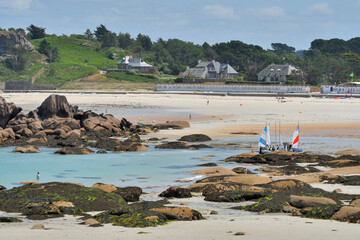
(155, 168)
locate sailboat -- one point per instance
(295, 147)
(265, 140)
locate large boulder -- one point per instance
(355, 203)
(195, 138)
(8, 111)
(304, 202)
(56, 106)
(9, 40)
(345, 213)
(35, 126)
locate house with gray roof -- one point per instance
(128, 63)
(210, 70)
(277, 73)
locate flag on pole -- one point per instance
(352, 75)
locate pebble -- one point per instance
(214, 212)
(239, 233)
(38, 226)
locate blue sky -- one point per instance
(260, 22)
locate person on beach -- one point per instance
(38, 175)
(207, 103)
(190, 116)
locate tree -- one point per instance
(20, 31)
(125, 41)
(144, 41)
(109, 39)
(19, 59)
(100, 32)
(36, 32)
(88, 35)
(281, 48)
(51, 52)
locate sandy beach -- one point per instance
(224, 117)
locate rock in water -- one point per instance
(74, 151)
(56, 106)
(195, 138)
(8, 111)
(30, 149)
(14, 39)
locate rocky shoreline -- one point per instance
(55, 123)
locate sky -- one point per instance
(259, 22)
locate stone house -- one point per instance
(128, 63)
(210, 70)
(277, 73)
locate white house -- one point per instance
(128, 63)
(277, 73)
(210, 70)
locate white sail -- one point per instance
(295, 139)
(263, 138)
(268, 140)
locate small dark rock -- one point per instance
(72, 151)
(101, 152)
(9, 219)
(173, 145)
(129, 194)
(207, 165)
(176, 192)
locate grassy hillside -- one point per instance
(78, 65)
(79, 58)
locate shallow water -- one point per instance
(154, 169)
(321, 145)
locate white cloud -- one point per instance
(221, 12)
(19, 5)
(322, 8)
(271, 11)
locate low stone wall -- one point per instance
(18, 85)
(202, 80)
(234, 88)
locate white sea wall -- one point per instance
(333, 89)
(234, 88)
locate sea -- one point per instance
(154, 170)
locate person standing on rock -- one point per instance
(38, 175)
